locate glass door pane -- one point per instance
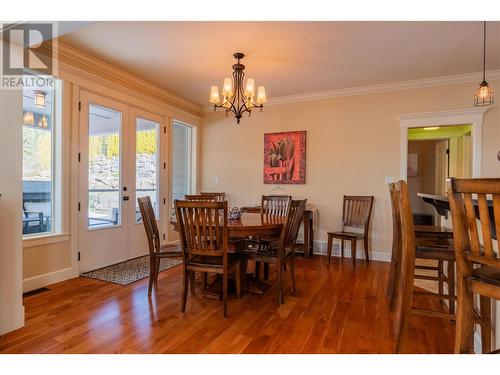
(104, 173)
(147, 163)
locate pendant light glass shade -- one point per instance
(484, 94)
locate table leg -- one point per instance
(306, 234)
(311, 234)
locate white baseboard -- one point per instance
(39, 281)
(320, 249)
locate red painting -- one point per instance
(285, 158)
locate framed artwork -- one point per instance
(412, 165)
(285, 158)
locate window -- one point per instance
(182, 160)
(146, 163)
(40, 122)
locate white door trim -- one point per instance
(473, 117)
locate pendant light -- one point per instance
(484, 94)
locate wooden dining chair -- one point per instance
(271, 205)
(411, 249)
(282, 250)
(219, 197)
(478, 264)
(204, 239)
(276, 205)
(156, 250)
(356, 213)
(432, 244)
(200, 197)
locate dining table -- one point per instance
(250, 224)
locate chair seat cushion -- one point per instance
(436, 252)
(167, 251)
(346, 235)
(211, 261)
(487, 274)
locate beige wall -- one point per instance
(352, 144)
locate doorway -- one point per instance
(435, 154)
(120, 153)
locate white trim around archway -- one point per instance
(472, 117)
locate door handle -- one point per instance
(125, 198)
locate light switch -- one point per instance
(389, 179)
(216, 180)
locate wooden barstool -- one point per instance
(433, 243)
(405, 282)
(478, 266)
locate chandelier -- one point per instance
(484, 94)
(237, 97)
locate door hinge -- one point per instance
(163, 236)
(79, 257)
(79, 156)
(165, 129)
(164, 201)
(164, 165)
(79, 106)
(79, 206)
(447, 151)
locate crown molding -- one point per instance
(73, 59)
(380, 88)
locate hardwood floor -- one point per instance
(336, 309)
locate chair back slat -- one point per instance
(200, 197)
(218, 197)
(474, 242)
(149, 221)
(294, 215)
(357, 211)
(275, 205)
(396, 222)
(496, 213)
(467, 213)
(203, 227)
(484, 218)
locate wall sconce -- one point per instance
(29, 118)
(40, 99)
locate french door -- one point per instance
(120, 153)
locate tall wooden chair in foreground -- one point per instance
(411, 249)
(433, 246)
(282, 250)
(156, 250)
(356, 213)
(204, 238)
(478, 265)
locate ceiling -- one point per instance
(289, 58)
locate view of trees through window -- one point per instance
(38, 136)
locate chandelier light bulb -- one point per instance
(227, 89)
(261, 95)
(250, 88)
(214, 95)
